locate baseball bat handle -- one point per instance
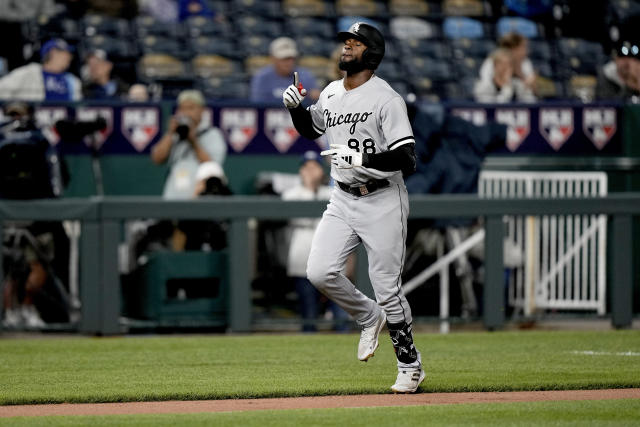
(296, 83)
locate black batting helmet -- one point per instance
(371, 37)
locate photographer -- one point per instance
(35, 254)
(186, 144)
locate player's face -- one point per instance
(352, 50)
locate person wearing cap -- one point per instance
(620, 77)
(269, 83)
(98, 83)
(311, 187)
(188, 142)
(48, 81)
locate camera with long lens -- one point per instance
(184, 124)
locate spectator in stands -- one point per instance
(620, 77)
(138, 93)
(312, 187)
(268, 83)
(48, 81)
(500, 86)
(98, 83)
(187, 143)
(518, 47)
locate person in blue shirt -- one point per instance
(268, 83)
(48, 81)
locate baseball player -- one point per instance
(372, 147)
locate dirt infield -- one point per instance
(312, 402)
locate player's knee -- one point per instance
(318, 275)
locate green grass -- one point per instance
(217, 367)
(580, 413)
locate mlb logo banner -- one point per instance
(46, 118)
(556, 125)
(240, 126)
(518, 121)
(279, 128)
(87, 114)
(140, 125)
(599, 124)
(477, 116)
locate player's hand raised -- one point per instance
(343, 157)
(294, 94)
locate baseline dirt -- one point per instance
(312, 402)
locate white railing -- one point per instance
(564, 256)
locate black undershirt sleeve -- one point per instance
(303, 122)
(402, 158)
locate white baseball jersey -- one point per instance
(371, 118)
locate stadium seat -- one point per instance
(547, 88)
(474, 8)
(368, 8)
(197, 26)
(514, 24)
(434, 69)
(311, 26)
(213, 45)
(540, 50)
(268, 9)
(255, 44)
(153, 44)
(579, 48)
(230, 87)
(116, 48)
(158, 65)
(104, 25)
(544, 68)
(408, 27)
(433, 49)
(295, 8)
(474, 48)
(467, 67)
(147, 26)
(319, 66)
(257, 25)
(66, 29)
(461, 27)
(410, 8)
(582, 87)
(255, 62)
(214, 66)
(316, 46)
(389, 70)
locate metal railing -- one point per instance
(101, 219)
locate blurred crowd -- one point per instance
(483, 50)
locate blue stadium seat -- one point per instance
(467, 67)
(433, 49)
(461, 27)
(434, 69)
(390, 70)
(515, 24)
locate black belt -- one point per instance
(364, 189)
